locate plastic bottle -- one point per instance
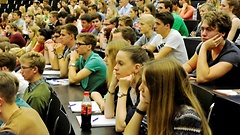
(104, 45)
(86, 112)
(195, 14)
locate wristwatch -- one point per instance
(121, 94)
(59, 56)
(72, 64)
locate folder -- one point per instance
(99, 121)
(75, 106)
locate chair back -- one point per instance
(205, 98)
(191, 45)
(62, 125)
(224, 116)
(191, 25)
(52, 112)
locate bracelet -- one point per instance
(140, 112)
(112, 93)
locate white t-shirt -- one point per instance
(175, 41)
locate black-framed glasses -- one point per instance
(80, 44)
(23, 67)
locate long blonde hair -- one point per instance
(169, 88)
(113, 47)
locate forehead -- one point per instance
(63, 31)
(158, 21)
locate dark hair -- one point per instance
(127, 20)
(62, 14)
(66, 8)
(95, 16)
(152, 8)
(127, 33)
(93, 6)
(8, 60)
(88, 38)
(18, 13)
(85, 9)
(48, 8)
(70, 18)
(86, 17)
(167, 4)
(71, 29)
(47, 33)
(166, 18)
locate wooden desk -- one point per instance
(75, 93)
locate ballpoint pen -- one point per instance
(95, 119)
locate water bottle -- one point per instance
(195, 14)
(86, 112)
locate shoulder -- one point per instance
(187, 120)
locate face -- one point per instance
(121, 24)
(81, 3)
(132, 14)
(161, 8)
(97, 24)
(62, 20)
(106, 58)
(100, 6)
(52, 19)
(224, 6)
(65, 37)
(81, 47)
(107, 25)
(40, 38)
(202, 11)
(144, 91)
(159, 27)
(56, 38)
(85, 24)
(181, 2)
(10, 17)
(207, 32)
(143, 26)
(109, 12)
(147, 11)
(30, 34)
(9, 29)
(139, 3)
(90, 11)
(27, 71)
(123, 3)
(124, 66)
(28, 19)
(15, 16)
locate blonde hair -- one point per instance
(113, 47)
(18, 52)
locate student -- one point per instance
(125, 33)
(172, 44)
(169, 102)
(85, 66)
(17, 17)
(145, 25)
(186, 12)
(124, 83)
(231, 7)
(110, 55)
(37, 95)
(125, 7)
(15, 34)
(18, 120)
(179, 24)
(86, 23)
(68, 37)
(216, 59)
(97, 23)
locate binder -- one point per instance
(228, 92)
(75, 106)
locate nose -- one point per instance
(141, 87)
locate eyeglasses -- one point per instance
(23, 68)
(80, 44)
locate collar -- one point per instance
(32, 86)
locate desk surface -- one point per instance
(75, 93)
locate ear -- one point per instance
(89, 47)
(35, 69)
(1, 101)
(168, 25)
(137, 68)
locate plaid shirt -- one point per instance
(32, 86)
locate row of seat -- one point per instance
(221, 112)
(56, 119)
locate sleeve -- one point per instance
(175, 42)
(139, 42)
(93, 65)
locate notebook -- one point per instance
(99, 121)
(75, 106)
(58, 81)
(228, 92)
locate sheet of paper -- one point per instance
(51, 72)
(58, 81)
(228, 92)
(99, 121)
(76, 107)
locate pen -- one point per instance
(95, 119)
(71, 105)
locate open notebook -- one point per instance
(76, 107)
(99, 121)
